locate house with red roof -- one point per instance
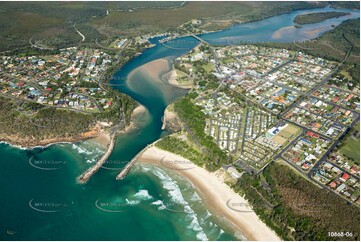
(344, 177)
(312, 134)
(335, 109)
(20, 84)
(332, 184)
(305, 166)
(354, 169)
(349, 97)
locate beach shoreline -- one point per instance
(170, 119)
(98, 134)
(154, 70)
(14, 141)
(137, 111)
(171, 79)
(215, 193)
(110, 141)
(158, 70)
(104, 137)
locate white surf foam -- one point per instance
(160, 204)
(143, 195)
(81, 150)
(176, 196)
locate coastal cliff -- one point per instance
(30, 125)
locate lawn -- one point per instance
(181, 74)
(351, 148)
(209, 67)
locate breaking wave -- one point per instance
(141, 195)
(176, 196)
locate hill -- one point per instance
(52, 23)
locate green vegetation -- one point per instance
(34, 122)
(49, 23)
(28, 51)
(350, 146)
(312, 18)
(345, 4)
(208, 67)
(52, 23)
(150, 20)
(333, 45)
(42, 123)
(128, 104)
(351, 149)
(194, 120)
(181, 148)
(301, 211)
(123, 104)
(349, 74)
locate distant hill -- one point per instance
(52, 23)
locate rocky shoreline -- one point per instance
(99, 134)
(28, 143)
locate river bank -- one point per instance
(137, 111)
(109, 140)
(216, 194)
(170, 119)
(158, 70)
(171, 78)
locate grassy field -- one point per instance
(208, 67)
(351, 146)
(351, 149)
(181, 74)
(286, 134)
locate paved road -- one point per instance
(31, 101)
(82, 36)
(290, 107)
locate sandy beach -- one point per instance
(158, 70)
(103, 137)
(283, 31)
(138, 110)
(312, 33)
(108, 139)
(171, 78)
(221, 199)
(152, 69)
(168, 116)
(170, 119)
